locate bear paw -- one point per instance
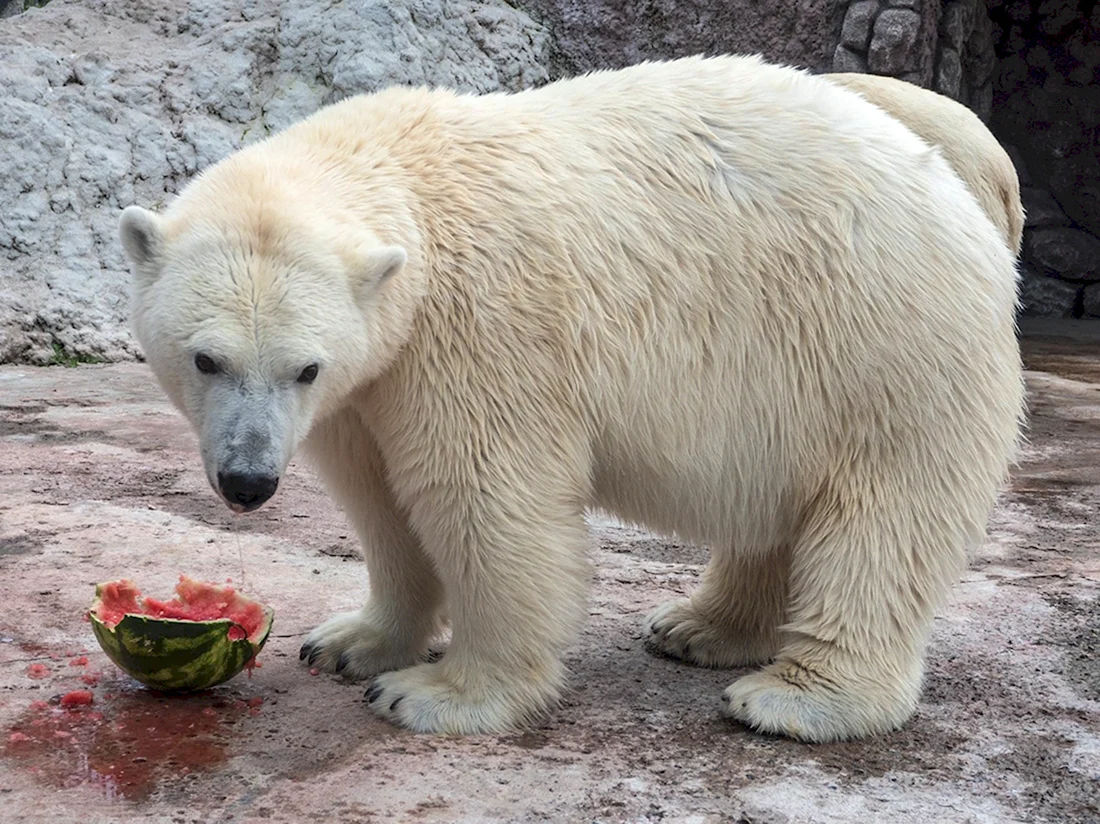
(424, 699)
(357, 646)
(678, 630)
(788, 699)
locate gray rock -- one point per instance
(846, 60)
(1015, 42)
(957, 22)
(858, 20)
(949, 73)
(1083, 45)
(1038, 57)
(981, 102)
(982, 57)
(1076, 185)
(1019, 10)
(1044, 296)
(1091, 301)
(1053, 126)
(107, 104)
(1056, 16)
(893, 41)
(1041, 208)
(602, 34)
(1069, 253)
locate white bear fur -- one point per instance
(723, 299)
(971, 149)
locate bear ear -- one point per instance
(141, 236)
(376, 265)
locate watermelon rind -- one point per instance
(173, 655)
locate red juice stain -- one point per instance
(127, 746)
(82, 661)
(37, 671)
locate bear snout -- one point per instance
(245, 492)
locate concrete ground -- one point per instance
(100, 479)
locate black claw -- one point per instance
(345, 659)
(687, 652)
(373, 693)
(725, 698)
(399, 699)
(304, 651)
(314, 654)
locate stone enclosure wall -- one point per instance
(109, 102)
(1047, 108)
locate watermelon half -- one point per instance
(201, 638)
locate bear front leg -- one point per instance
(402, 613)
(513, 562)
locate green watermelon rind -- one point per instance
(172, 655)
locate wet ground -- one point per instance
(99, 478)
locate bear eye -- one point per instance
(309, 374)
(206, 364)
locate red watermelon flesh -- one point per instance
(194, 601)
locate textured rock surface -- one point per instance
(1048, 98)
(893, 45)
(1041, 208)
(595, 34)
(1047, 105)
(1071, 253)
(110, 103)
(1091, 303)
(1046, 296)
(891, 37)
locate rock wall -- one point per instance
(1047, 108)
(104, 103)
(896, 38)
(603, 34)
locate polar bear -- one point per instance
(971, 149)
(717, 297)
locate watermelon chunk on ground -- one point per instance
(202, 637)
(194, 601)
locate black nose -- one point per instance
(250, 491)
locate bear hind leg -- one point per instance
(866, 576)
(732, 619)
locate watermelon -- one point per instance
(201, 638)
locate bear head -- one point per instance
(260, 307)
